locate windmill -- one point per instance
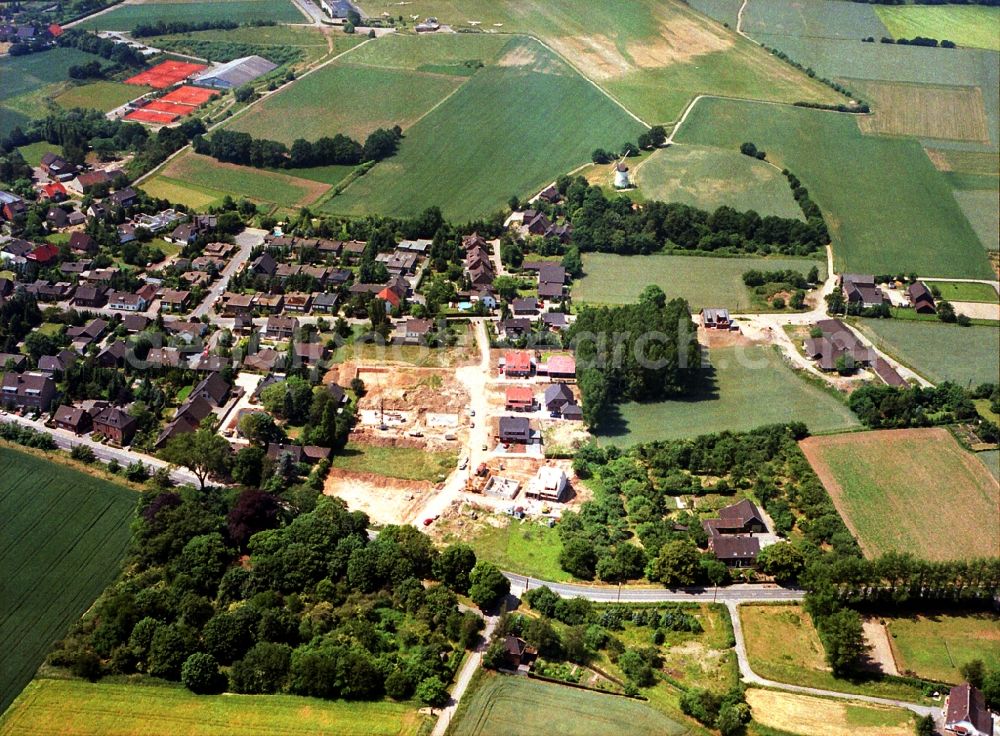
(621, 174)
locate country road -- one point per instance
(464, 677)
(630, 594)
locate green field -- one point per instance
(127, 16)
(103, 96)
(200, 181)
(938, 351)
(524, 547)
(405, 463)
(813, 19)
(970, 25)
(443, 53)
(982, 209)
(703, 281)
(963, 291)
(709, 178)
(991, 459)
(545, 709)
(849, 175)
(33, 152)
(363, 98)
(724, 11)
(472, 152)
(889, 485)
(935, 646)
(782, 645)
(104, 709)
(218, 43)
(62, 538)
(749, 386)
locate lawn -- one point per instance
(936, 645)
(782, 645)
(341, 98)
(33, 152)
(130, 14)
(807, 715)
(971, 25)
(963, 291)
(104, 709)
(210, 178)
(919, 228)
(62, 538)
(524, 547)
(704, 281)
(813, 19)
(909, 490)
(938, 351)
(103, 95)
(709, 178)
(481, 145)
(546, 709)
(406, 463)
(181, 192)
(748, 387)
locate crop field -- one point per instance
(749, 386)
(936, 645)
(629, 50)
(205, 177)
(982, 209)
(709, 178)
(849, 175)
(215, 43)
(443, 54)
(104, 96)
(546, 709)
(991, 460)
(782, 645)
(938, 351)
(405, 463)
(366, 98)
(980, 163)
(813, 19)
(811, 716)
(924, 111)
(62, 538)
(889, 486)
(104, 709)
(724, 11)
(127, 16)
(970, 25)
(704, 281)
(470, 153)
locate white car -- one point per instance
(463, 464)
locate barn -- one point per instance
(235, 73)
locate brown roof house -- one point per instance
(730, 536)
(72, 419)
(967, 714)
(116, 424)
(921, 298)
(861, 289)
(517, 653)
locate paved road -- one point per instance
(67, 440)
(311, 10)
(247, 240)
(464, 677)
(631, 594)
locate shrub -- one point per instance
(200, 674)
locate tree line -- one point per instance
(241, 148)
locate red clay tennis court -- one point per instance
(188, 95)
(166, 74)
(170, 107)
(151, 116)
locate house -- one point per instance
(263, 361)
(57, 363)
(390, 297)
(551, 292)
(89, 332)
(126, 233)
(298, 302)
(134, 323)
(213, 389)
(90, 180)
(515, 430)
(263, 265)
(523, 307)
(559, 367)
(517, 364)
(735, 551)
(12, 206)
(281, 328)
(210, 363)
(16, 248)
(56, 218)
(82, 243)
(243, 324)
(13, 361)
(549, 484)
(309, 353)
(551, 273)
(740, 518)
(535, 223)
(47, 292)
(43, 254)
(208, 264)
(484, 295)
(184, 234)
(921, 298)
(173, 300)
(113, 356)
(557, 397)
(176, 427)
(861, 289)
(53, 192)
(966, 713)
(519, 398)
(123, 198)
(837, 342)
(164, 357)
(116, 424)
(57, 167)
(31, 390)
(417, 330)
(187, 330)
(326, 303)
(126, 302)
(69, 268)
(72, 419)
(299, 453)
(90, 296)
(353, 249)
(555, 321)
(237, 304)
(550, 194)
(273, 303)
(517, 653)
(715, 319)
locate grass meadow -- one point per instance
(782, 645)
(964, 291)
(909, 490)
(939, 351)
(33, 152)
(480, 146)
(918, 228)
(405, 463)
(106, 709)
(935, 645)
(970, 25)
(808, 715)
(709, 178)
(747, 387)
(62, 538)
(102, 95)
(308, 40)
(704, 281)
(546, 709)
(524, 547)
(128, 15)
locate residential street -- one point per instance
(247, 240)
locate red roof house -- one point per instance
(519, 398)
(389, 297)
(517, 363)
(43, 254)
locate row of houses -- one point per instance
(557, 399)
(862, 291)
(523, 364)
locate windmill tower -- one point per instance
(621, 175)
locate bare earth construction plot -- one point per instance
(911, 490)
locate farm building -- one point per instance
(716, 319)
(837, 341)
(921, 298)
(861, 289)
(235, 73)
(337, 8)
(549, 484)
(967, 713)
(727, 534)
